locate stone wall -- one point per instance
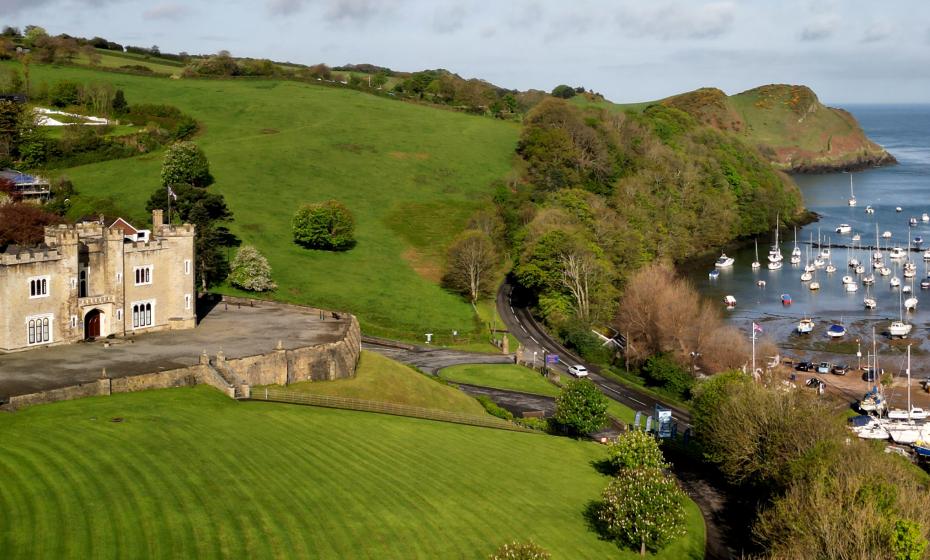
(335, 360)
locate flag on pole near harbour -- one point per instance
(756, 328)
(171, 193)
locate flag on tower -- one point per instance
(756, 328)
(171, 193)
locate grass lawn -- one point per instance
(188, 473)
(411, 175)
(382, 379)
(501, 376)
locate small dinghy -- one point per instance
(786, 299)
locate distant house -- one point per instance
(27, 187)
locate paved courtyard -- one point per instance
(235, 330)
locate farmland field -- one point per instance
(412, 175)
(188, 473)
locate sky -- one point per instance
(848, 51)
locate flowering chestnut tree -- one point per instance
(642, 507)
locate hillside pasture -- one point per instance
(410, 174)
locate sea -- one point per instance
(904, 130)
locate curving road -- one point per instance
(520, 322)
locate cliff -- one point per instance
(788, 125)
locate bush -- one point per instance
(324, 225)
(493, 409)
(65, 93)
(665, 372)
(520, 551)
(563, 91)
(578, 335)
(540, 424)
(251, 271)
(635, 449)
(581, 408)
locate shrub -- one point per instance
(581, 408)
(642, 508)
(251, 271)
(540, 424)
(324, 225)
(65, 93)
(635, 449)
(665, 372)
(493, 409)
(563, 91)
(520, 551)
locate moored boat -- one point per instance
(806, 326)
(724, 261)
(836, 330)
(786, 299)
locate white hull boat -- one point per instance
(795, 259)
(894, 282)
(775, 265)
(884, 271)
(910, 304)
(724, 261)
(917, 413)
(843, 228)
(848, 280)
(899, 329)
(870, 303)
(806, 277)
(868, 280)
(925, 217)
(852, 287)
(860, 269)
(886, 235)
(898, 253)
(830, 269)
(814, 285)
(805, 326)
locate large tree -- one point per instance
(22, 223)
(185, 163)
(470, 263)
(642, 508)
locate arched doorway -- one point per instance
(92, 324)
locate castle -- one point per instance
(93, 280)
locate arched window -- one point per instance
(148, 313)
(135, 316)
(46, 335)
(32, 331)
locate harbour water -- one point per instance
(903, 130)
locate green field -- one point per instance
(412, 175)
(502, 376)
(188, 473)
(382, 379)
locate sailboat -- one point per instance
(805, 326)
(912, 412)
(869, 301)
(899, 328)
(852, 196)
(796, 252)
(775, 255)
(831, 268)
(755, 263)
(874, 400)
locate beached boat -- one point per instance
(805, 326)
(836, 330)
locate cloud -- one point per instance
(819, 29)
(524, 15)
(679, 20)
(355, 10)
(284, 7)
(167, 10)
(449, 19)
(878, 31)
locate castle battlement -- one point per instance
(26, 256)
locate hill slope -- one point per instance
(412, 175)
(788, 124)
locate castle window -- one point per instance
(39, 329)
(187, 301)
(119, 277)
(38, 286)
(119, 314)
(143, 314)
(143, 275)
(73, 321)
(187, 266)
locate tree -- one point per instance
(563, 91)
(636, 449)
(642, 508)
(470, 262)
(34, 33)
(65, 93)
(520, 551)
(22, 223)
(581, 408)
(120, 106)
(378, 80)
(208, 212)
(250, 271)
(185, 163)
(324, 225)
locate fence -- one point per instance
(346, 403)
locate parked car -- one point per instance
(804, 366)
(578, 370)
(823, 367)
(840, 369)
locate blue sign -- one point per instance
(552, 359)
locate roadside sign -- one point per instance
(552, 359)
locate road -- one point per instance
(431, 360)
(534, 338)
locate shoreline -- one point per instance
(861, 163)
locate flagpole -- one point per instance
(169, 203)
(753, 336)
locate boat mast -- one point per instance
(908, 382)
